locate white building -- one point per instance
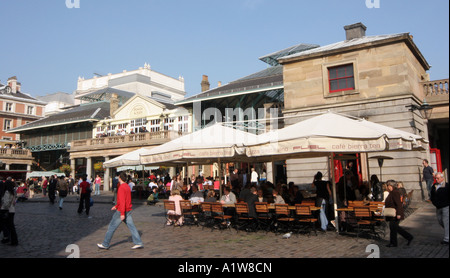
(144, 81)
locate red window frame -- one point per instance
(345, 77)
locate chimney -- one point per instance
(12, 82)
(219, 84)
(113, 104)
(205, 83)
(355, 31)
(19, 85)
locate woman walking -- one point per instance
(97, 183)
(393, 201)
(7, 209)
(63, 190)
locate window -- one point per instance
(155, 125)
(8, 107)
(30, 110)
(341, 78)
(183, 123)
(168, 123)
(7, 124)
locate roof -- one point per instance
(272, 59)
(105, 95)
(95, 111)
(58, 97)
(365, 41)
(264, 80)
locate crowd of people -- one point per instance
(237, 188)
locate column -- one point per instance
(89, 167)
(28, 168)
(106, 177)
(72, 167)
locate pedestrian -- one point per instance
(63, 190)
(52, 188)
(123, 211)
(71, 182)
(44, 186)
(428, 177)
(254, 177)
(393, 201)
(85, 196)
(323, 197)
(115, 184)
(7, 212)
(440, 199)
(97, 182)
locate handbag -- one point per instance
(63, 193)
(389, 212)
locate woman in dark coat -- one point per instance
(393, 201)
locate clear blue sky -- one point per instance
(47, 46)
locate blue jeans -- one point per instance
(114, 224)
(97, 189)
(429, 186)
(61, 201)
(323, 216)
(442, 216)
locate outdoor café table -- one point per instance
(348, 210)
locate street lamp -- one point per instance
(425, 109)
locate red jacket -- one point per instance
(123, 198)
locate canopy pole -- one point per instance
(220, 177)
(333, 182)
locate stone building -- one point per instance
(379, 78)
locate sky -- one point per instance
(48, 45)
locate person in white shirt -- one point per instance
(254, 177)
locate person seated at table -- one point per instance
(153, 198)
(251, 200)
(298, 196)
(175, 216)
(196, 196)
(261, 198)
(211, 197)
(277, 199)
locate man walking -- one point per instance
(440, 199)
(428, 176)
(123, 210)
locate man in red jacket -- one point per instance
(122, 210)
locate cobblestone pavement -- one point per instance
(44, 231)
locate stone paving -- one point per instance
(44, 231)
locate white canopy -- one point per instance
(213, 142)
(128, 159)
(332, 132)
(39, 174)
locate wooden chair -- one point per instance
(264, 219)
(309, 202)
(355, 203)
(283, 218)
(364, 219)
(169, 207)
(206, 217)
(221, 218)
(243, 219)
(304, 216)
(188, 213)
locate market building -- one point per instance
(16, 109)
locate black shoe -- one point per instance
(409, 241)
(5, 240)
(391, 245)
(444, 242)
